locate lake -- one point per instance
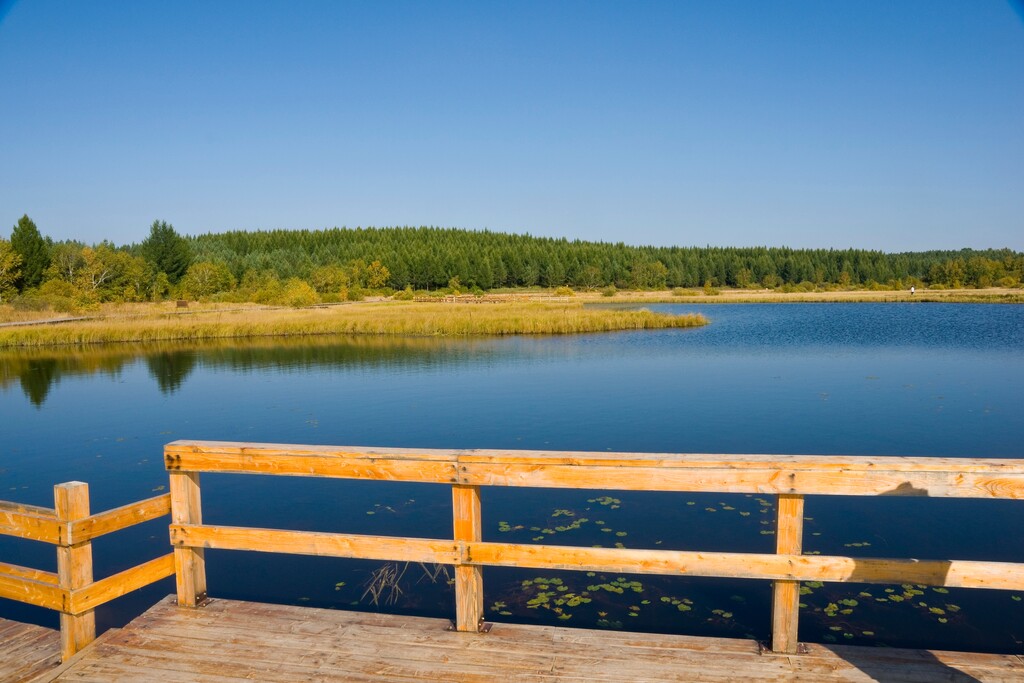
(860, 379)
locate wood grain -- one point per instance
(786, 594)
(232, 641)
(441, 551)
(74, 568)
(189, 562)
(119, 518)
(469, 580)
(764, 474)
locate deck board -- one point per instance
(27, 651)
(230, 641)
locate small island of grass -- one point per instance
(161, 322)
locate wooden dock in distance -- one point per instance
(228, 640)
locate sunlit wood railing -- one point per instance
(72, 591)
(789, 477)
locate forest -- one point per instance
(300, 267)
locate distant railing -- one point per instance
(72, 590)
(788, 477)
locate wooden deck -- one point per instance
(229, 640)
(27, 651)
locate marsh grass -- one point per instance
(378, 318)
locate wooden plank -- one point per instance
(310, 461)
(763, 480)
(469, 580)
(119, 518)
(119, 584)
(740, 461)
(764, 474)
(25, 508)
(27, 651)
(949, 573)
(231, 640)
(189, 562)
(786, 594)
(31, 587)
(74, 568)
(33, 525)
(357, 546)
(38, 575)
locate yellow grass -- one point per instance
(378, 318)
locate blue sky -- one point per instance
(875, 124)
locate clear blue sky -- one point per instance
(875, 124)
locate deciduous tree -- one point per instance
(10, 269)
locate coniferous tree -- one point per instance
(167, 250)
(34, 252)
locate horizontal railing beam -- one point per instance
(315, 543)
(122, 583)
(759, 474)
(31, 586)
(116, 519)
(29, 521)
(949, 573)
(310, 461)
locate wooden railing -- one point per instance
(788, 477)
(72, 590)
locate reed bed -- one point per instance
(384, 318)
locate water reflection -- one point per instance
(171, 364)
(170, 368)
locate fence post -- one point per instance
(189, 563)
(74, 566)
(469, 580)
(786, 594)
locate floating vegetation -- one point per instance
(396, 509)
(836, 612)
(619, 586)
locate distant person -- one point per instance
(912, 290)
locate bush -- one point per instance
(405, 295)
(564, 291)
(54, 295)
(609, 291)
(682, 291)
(297, 293)
(1007, 282)
(709, 289)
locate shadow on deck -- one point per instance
(229, 640)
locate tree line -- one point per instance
(303, 266)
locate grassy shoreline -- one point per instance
(515, 313)
(158, 323)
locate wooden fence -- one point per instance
(788, 477)
(72, 591)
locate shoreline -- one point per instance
(143, 323)
(534, 312)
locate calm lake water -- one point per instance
(871, 379)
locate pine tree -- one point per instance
(34, 252)
(167, 250)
